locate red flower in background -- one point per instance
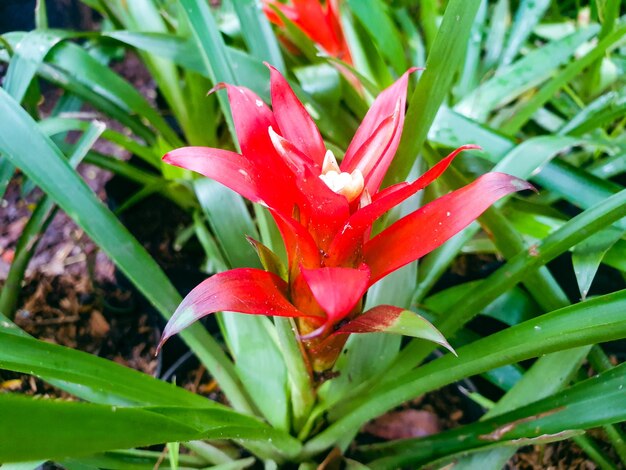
(320, 23)
(325, 212)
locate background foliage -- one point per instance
(538, 84)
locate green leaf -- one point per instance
(596, 401)
(230, 221)
(52, 173)
(132, 460)
(366, 56)
(258, 34)
(598, 320)
(577, 186)
(526, 18)
(452, 129)
(96, 379)
(322, 82)
(522, 75)
(101, 80)
(250, 72)
(573, 70)
(587, 256)
(511, 308)
(101, 86)
(29, 54)
(561, 367)
(270, 260)
(435, 83)
(469, 78)
(61, 125)
(85, 428)
(89, 428)
(212, 50)
(227, 424)
(532, 155)
(374, 15)
(599, 112)
(498, 25)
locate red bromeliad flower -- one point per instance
(325, 211)
(321, 24)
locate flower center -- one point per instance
(349, 185)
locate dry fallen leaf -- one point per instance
(404, 424)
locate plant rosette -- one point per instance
(325, 211)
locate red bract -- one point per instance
(325, 212)
(320, 23)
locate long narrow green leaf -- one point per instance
(566, 75)
(522, 75)
(86, 428)
(558, 242)
(258, 33)
(89, 428)
(29, 54)
(526, 18)
(494, 43)
(577, 186)
(244, 427)
(97, 379)
(212, 50)
(109, 85)
(469, 77)
(434, 84)
(598, 320)
(596, 401)
(561, 367)
(62, 125)
(6, 172)
(587, 256)
(100, 86)
(374, 15)
(51, 172)
(132, 460)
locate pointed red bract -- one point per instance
(384, 106)
(362, 220)
(229, 168)
(295, 123)
(299, 244)
(320, 24)
(427, 228)
(252, 118)
(337, 290)
(243, 290)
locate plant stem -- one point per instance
(302, 395)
